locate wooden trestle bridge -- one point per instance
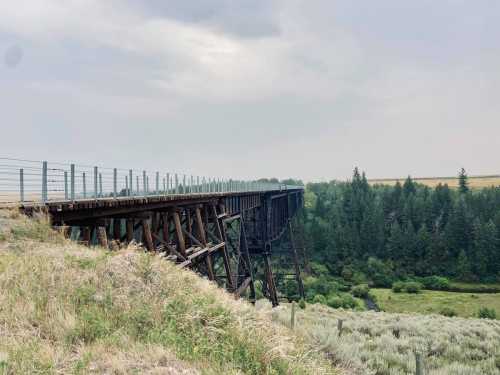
(233, 232)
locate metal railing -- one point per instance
(41, 181)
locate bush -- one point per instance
(302, 304)
(435, 282)
(348, 301)
(398, 287)
(360, 291)
(319, 298)
(486, 313)
(345, 301)
(413, 287)
(449, 312)
(408, 287)
(334, 302)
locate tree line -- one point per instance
(388, 233)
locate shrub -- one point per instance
(345, 301)
(380, 272)
(486, 313)
(319, 298)
(436, 282)
(398, 287)
(408, 287)
(302, 304)
(360, 291)
(413, 287)
(334, 302)
(348, 301)
(447, 311)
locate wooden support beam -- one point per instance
(180, 235)
(184, 264)
(192, 238)
(219, 227)
(86, 235)
(102, 236)
(148, 239)
(244, 285)
(189, 224)
(169, 248)
(117, 229)
(130, 230)
(271, 286)
(200, 228)
(166, 225)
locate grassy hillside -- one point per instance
(68, 309)
(384, 344)
(475, 182)
(427, 302)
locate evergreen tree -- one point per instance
(463, 183)
(409, 186)
(484, 248)
(458, 234)
(463, 269)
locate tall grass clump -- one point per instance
(71, 309)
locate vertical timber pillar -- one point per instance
(148, 239)
(203, 237)
(180, 236)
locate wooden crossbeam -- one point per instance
(168, 247)
(244, 285)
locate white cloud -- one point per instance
(314, 81)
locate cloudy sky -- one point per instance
(246, 89)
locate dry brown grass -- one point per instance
(475, 182)
(68, 309)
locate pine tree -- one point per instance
(463, 182)
(484, 248)
(463, 269)
(409, 186)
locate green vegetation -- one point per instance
(70, 309)
(407, 287)
(385, 344)
(435, 302)
(407, 232)
(486, 313)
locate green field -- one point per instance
(433, 302)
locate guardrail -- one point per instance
(23, 181)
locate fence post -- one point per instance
(157, 183)
(292, 317)
(131, 182)
(21, 184)
(96, 192)
(66, 196)
(419, 364)
(144, 182)
(137, 185)
(127, 191)
(44, 182)
(100, 184)
(84, 186)
(115, 181)
(164, 186)
(340, 324)
(72, 182)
